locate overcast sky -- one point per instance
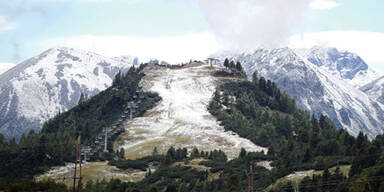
(180, 30)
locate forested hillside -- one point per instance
(259, 111)
(35, 152)
(255, 110)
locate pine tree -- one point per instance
(255, 79)
(226, 63)
(171, 154)
(262, 83)
(232, 65)
(122, 153)
(83, 98)
(239, 67)
(233, 184)
(195, 153)
(360, 142)
(242, 153)
(307, 155)
(154, 152)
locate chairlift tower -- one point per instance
(212, 61)
(84, 151)
(131, 106)
(106, 140)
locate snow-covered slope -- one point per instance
(40, 87)
(343, 65)
(5, 67)
(315, 89)
(375, 90)
(181, 119)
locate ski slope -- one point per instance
(181, 119)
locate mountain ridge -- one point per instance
(342, 64)
(38, 88)
(315, 89)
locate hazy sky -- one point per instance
(179, 30)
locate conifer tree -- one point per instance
(226, 63)
(255, 78)
(122, 153)
(242, 153)
(239, 67)
(232, 65)
(155, 152)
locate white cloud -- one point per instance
(172, 49)
(5, 25)
(5, 67)
(323, 4)
(368, 45)
(246, 24)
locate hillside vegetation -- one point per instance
(257, 110)
(55, 144)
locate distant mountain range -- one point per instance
(323, 81)
(343, 65)
(38, 88)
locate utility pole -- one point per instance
(250, 175)
(78, 160)
(296, 187)
(105, 142)
(79, 186)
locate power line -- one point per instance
(336, 182)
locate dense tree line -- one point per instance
(232, 70)
(31, 186)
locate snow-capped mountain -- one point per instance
(375, 89)
(315, 89)
(344, 65)
(5, 67)
(42, 86)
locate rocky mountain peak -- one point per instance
(38, 88)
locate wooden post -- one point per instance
(251, 176)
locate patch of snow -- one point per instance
(181, 119)
(265, 164)
(299, 174)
